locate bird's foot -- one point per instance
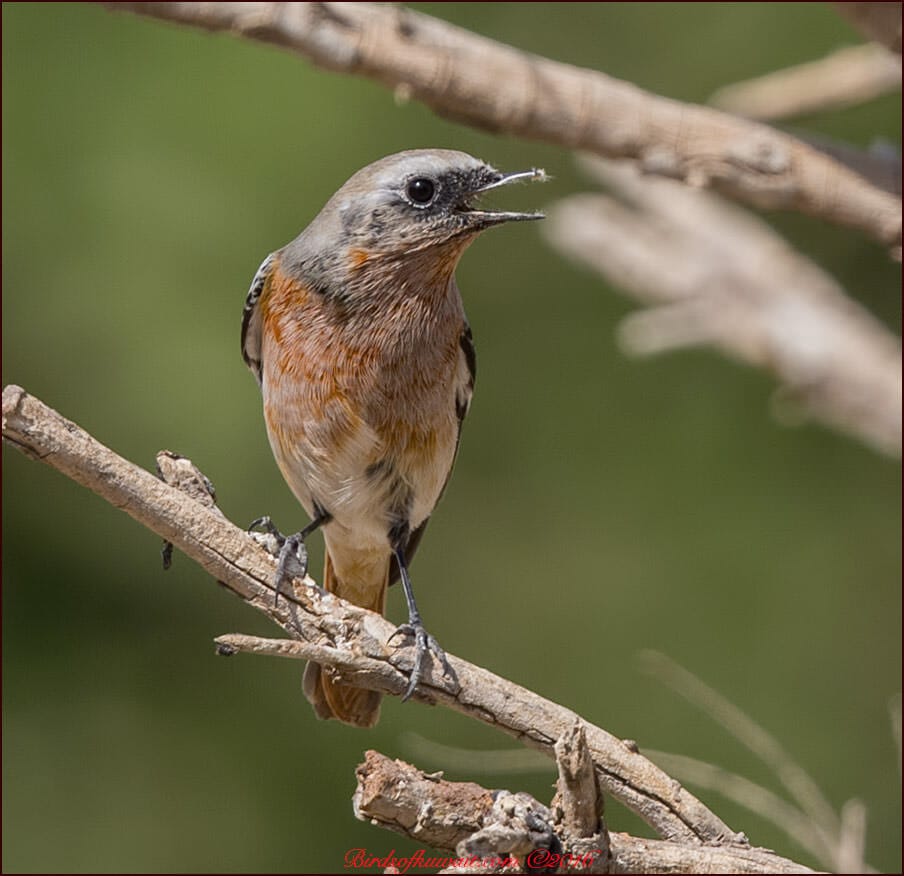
(424, 645)
(290, 551)
(269, 538)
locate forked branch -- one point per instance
(354, 641)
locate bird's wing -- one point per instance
(251, 318)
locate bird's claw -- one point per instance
(269, 531)
(424, 645)
(290, 551)
(292, 563)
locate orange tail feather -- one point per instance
(351, 705)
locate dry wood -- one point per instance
(880, 163)
(848, 76)
(334, 632)
(331, 631)
(491, 85)
(578, 796)
(446, 814)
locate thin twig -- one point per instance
(491, 85)
(849, 857)
(334, 632)
(846, 77)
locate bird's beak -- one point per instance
(495, 217)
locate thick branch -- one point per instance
(446, 814)
(492, 85)
(880, 163)
(334, 632)
(715, 274)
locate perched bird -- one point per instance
(358, 338)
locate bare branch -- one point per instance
(718, 275)
(491, 85)
(848, 76)
(334, 632)
(787, 817)
(880, 21)
(446, 815)
(880, 163)
(390, 792)
(631, 855)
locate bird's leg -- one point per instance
(293, 555)
(424, 643)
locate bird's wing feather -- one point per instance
(251, 318)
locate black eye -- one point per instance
(421, 190)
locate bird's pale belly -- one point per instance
(366, 472)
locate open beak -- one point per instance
(495, 217)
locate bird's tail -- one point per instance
(351, 705)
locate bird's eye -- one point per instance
(421, 190)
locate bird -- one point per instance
(357, 335)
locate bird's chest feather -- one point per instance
(360, 407)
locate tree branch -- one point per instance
(346, 637)
(714, 274)
(446, 815)
(880, 162)
(848, 76)
(491, 85)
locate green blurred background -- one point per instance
(600, 505)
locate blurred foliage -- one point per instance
(600, 505)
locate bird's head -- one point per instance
(405, 206)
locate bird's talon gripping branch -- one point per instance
(269, 528)
(264, 532)
(424, 645)
(289, 550)
(293, 562)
